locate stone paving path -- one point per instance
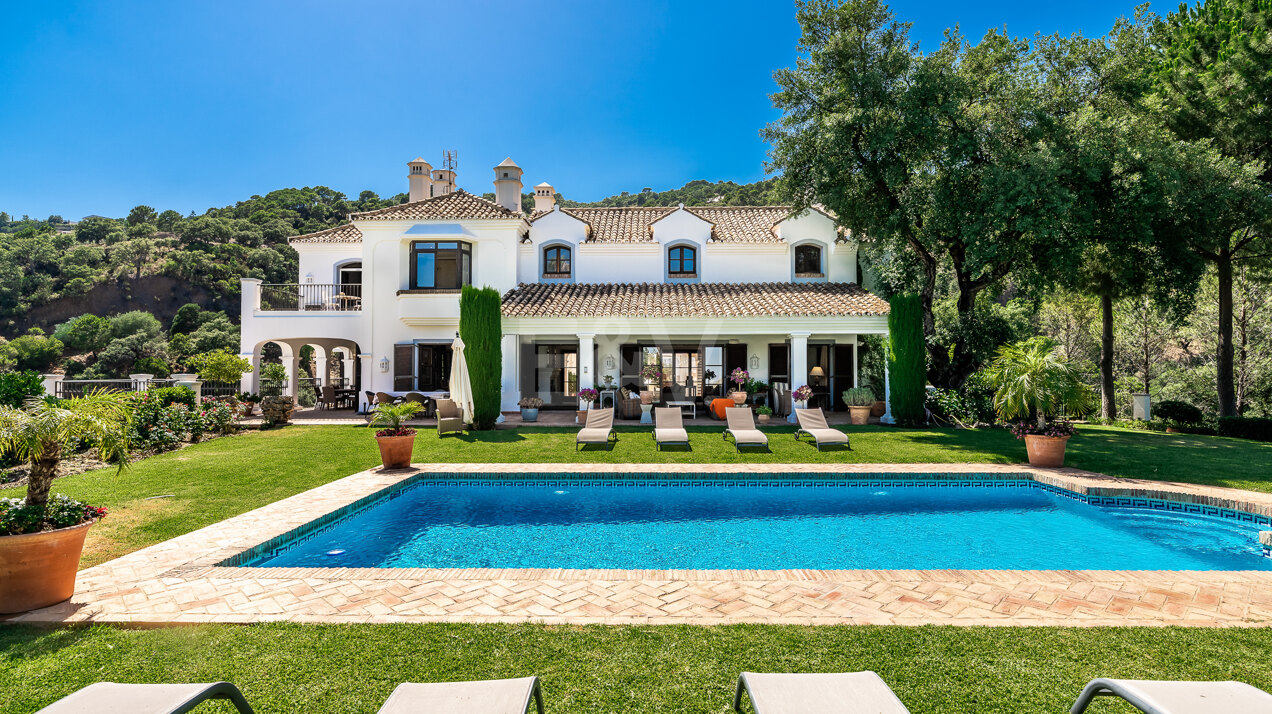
(179, 581)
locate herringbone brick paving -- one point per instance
(179, 581)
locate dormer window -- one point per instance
(556, 262)
(682, 262)
(808, 262)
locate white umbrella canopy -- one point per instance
(461, 386)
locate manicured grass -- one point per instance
(213, 481)
(322, 669)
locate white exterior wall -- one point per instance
(321, 260)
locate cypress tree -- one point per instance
(480, 327)
(907, 359)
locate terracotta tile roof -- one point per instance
(460, 205)
(347, 233)
(692, 300)
(729, 224)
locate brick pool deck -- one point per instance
(180, 581)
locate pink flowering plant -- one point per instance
(588, 394)
(739, 376)
(651, 373)
(802, 393)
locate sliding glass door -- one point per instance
(556, 374)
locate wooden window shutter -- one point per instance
(403, 368)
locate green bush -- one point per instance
(481, 330)
(907, 360)
(1177, 411)
(167, 396)
(1253, 428)
(36, 351)
(17, 387)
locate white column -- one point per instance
(347, 372)
(887, 395)
(50, 383)
(856, 362)
(369, 369)
(320, 371)
(799, 366)
(292, 365)
(250, 381)
(249, 296)
(510, 388)
(587, 370)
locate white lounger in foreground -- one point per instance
(113, 698)
(1171, 697)
(847, 693)
(496, 696)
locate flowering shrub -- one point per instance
(1053, 428)
(156, 425)
(219, 416)
(16, 517)
(588, 395)
(651, 373)
(802, 393)
(739, 376)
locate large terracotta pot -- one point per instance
(859, 415)
(395, 451)
(878, 409)
(1047, 451)
(739, 398)
(38, 569)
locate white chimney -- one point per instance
(544, 197)
(418, 179)
(508, 185)
(443, 182)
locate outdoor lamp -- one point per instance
(755, 361)
(384, 364)
(817, 373)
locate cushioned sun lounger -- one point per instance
(669, 427)
(499, 696)
(1172, 697)
(112, 698)
(742, 428)
(812, 422)
(599, 428)
(847, 693)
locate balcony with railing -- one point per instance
(311, 297)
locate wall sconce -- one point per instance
(609, 361)
(309, 277)
(384, 364)
(755, 361)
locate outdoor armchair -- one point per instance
(599, 428)
(384, 398)
(1173, 697)
(812, 422)
(496, 696)
(847, 693)
(669, 427)
(112, 698)
(741, 426)
(449, 418)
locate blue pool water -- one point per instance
(733, 525)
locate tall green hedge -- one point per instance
(481, 330)
(907, 360)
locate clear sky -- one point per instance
(189, 105)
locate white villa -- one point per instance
(587, 293)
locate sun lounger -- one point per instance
(848, 693)
(1172, 697)
(499, 696)
(812, 422)
(742, 428)
(599, 428)
(112, 698)
(669, 427)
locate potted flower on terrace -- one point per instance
(739, 377)
(586, 396)
(652, 375)
(42, 536)
(395, 438)
(1032, 380)
(859, 401)
(801, 395)
(530, 407)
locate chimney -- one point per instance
(443, 182)
(544, 197)
(508, 185)
(419, 173)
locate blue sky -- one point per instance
(188, 105)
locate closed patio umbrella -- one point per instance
(461, 387)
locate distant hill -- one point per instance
(694, 193)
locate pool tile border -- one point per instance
(183, 581)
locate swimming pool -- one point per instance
(767, 524)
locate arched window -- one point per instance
(682, 262)
(808, 261)
(556, 262)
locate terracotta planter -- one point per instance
(38, 569)
(580, 416)
(762, 418)
(395, 451)
(1046, 451)
(647, 396)
(739, 398)
(878, 409)
(859, 415)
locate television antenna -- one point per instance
(448, 160)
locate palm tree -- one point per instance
(39, 431)
(1033, 376)
(394, 416)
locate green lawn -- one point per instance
(213, 481)
(323, 669)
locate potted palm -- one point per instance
(41, 537)
(1031, 380)
(530, 407)
(859, 401)
(395, 438)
